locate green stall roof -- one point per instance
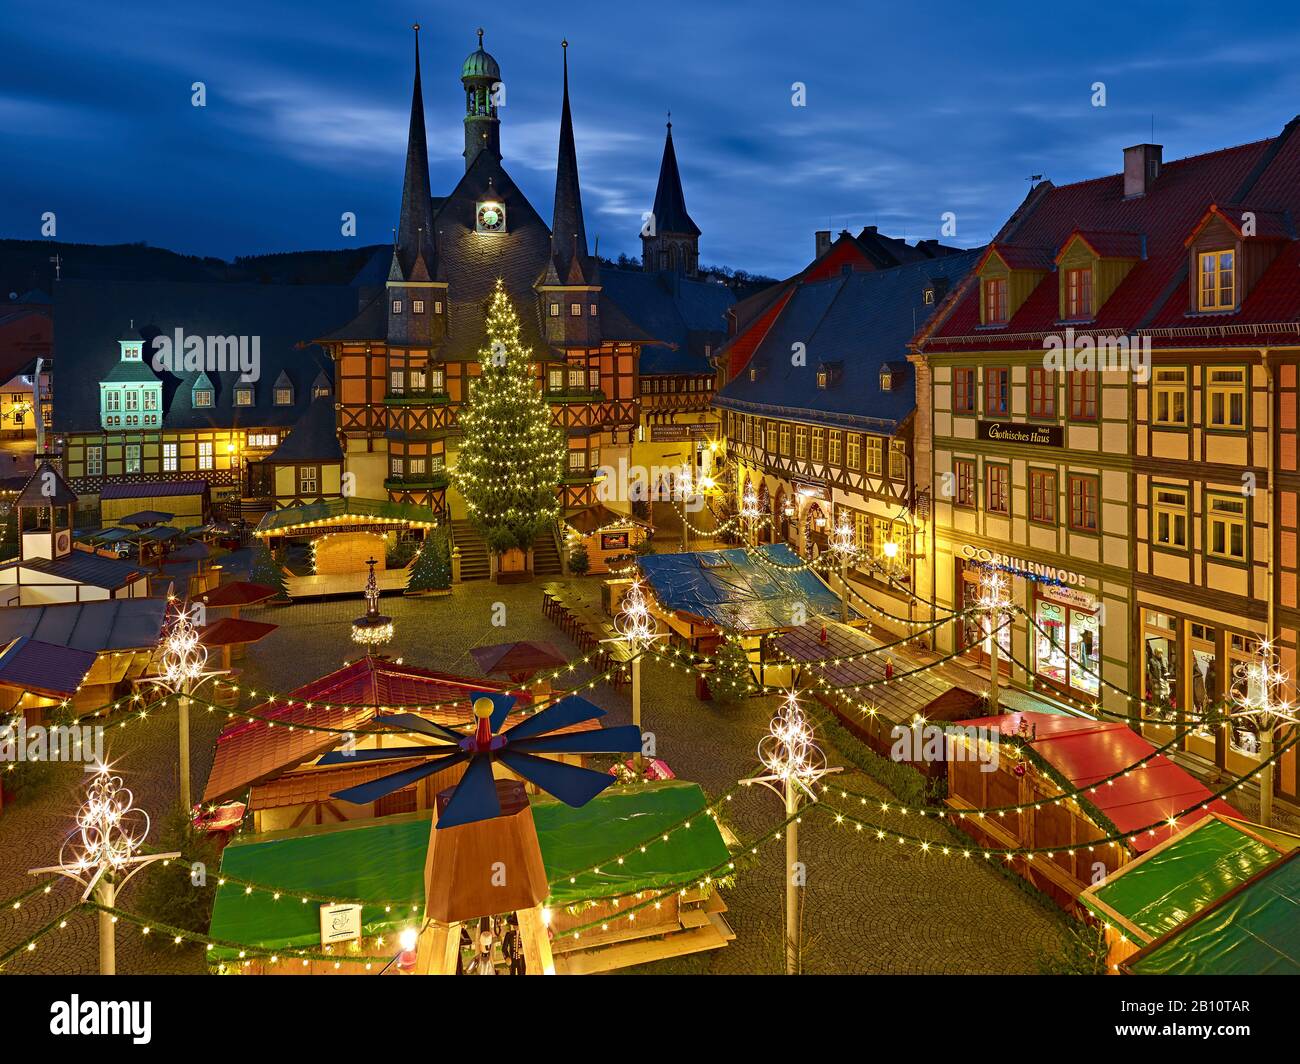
(383, 861)
(1172, 883)
(1252, 930)
(574, 840)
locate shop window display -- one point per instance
(1067, 640)
(1160, 646)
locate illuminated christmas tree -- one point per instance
(511, 457)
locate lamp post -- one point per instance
(1257, 697)
(636, 630)
(373, 629)
(845, 549)
(794, 762)
(993, 603)
(100, 853)
(684, 485)
(184, 667)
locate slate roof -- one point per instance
(863, 319)
(313, 438)
(92, 316)
(32, 665)
(112, 624)
(84, 567)
(1264, 176)
(148, 489)
(33, 493)
(670, 202)
(687, 315)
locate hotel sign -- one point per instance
(1018, 432)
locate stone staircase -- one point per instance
(474, 562)
(546, 555)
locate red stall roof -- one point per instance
(1086, 751)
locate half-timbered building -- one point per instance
(819, 406)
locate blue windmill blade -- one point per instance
(364, 793)
(502, 704)
(570, 710)
(572, 785)
(390, 753)
(475, 796)
(625, 739)
(420, 725)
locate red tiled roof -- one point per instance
(1019, 256)
(1265, 174)
(1107, 245)
(237, 593)
(1086, 751)
(230, 632)
(1268, 224)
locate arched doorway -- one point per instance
(764, 502)
(780, 519)
(815, 530)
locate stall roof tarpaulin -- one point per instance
(1173, 882)
(1252, 930)
(107, 624)
(383, 860)
(1086, 751)
(735, 590)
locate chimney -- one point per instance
(1141, 168)
(823, 238)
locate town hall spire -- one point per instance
(568, 233)
(415, 226)
(673, 240)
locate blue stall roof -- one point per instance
(739, 589)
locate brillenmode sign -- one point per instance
(1016, 432)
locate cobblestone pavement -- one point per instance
(870, 907)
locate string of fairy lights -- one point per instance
(137, 708)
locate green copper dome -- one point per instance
(480, 64)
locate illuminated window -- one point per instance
(1169, 398)
(818, 445)
(995, 301)
(997, 488)
(309, 478)
(997, 388)
(855, 450)
(875, 455)
(1169, 517)
(1042, 496)
(834, 447)
(1042, 392)
(205, 454)
(417, 307)
(170, 460)
(1226, 532)
(963, 390)
(1083, 395)
(801, 441)
(94, 461)
(243, 395)
(1226, 398)
(1083, 503)
(964, 474)
(132, 458)
(1078, 293)
(397, 306)
(1217, 289)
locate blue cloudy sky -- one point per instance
(913, 109)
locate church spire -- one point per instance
(415, 226)
(674, 242)
(568, 234)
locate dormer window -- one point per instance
(886, 380)
(1218, 286)
(829, 374)
(417, 306)
(823, 377)
(243, 395)
(202, 397)
(1078, 293)
(753, 373)
(927, 297)
(995, 301)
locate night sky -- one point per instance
(913, 109)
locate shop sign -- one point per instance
(1018, 432)
(810, 490)
(339, 923)
(677, 433)
(1068, 596)
(614, 541)
(1023, 567)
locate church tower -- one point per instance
(569, 288)
(417, 299)
(481, 76)
(670, 240)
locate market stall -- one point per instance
(610, 538)
(1172, 882)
